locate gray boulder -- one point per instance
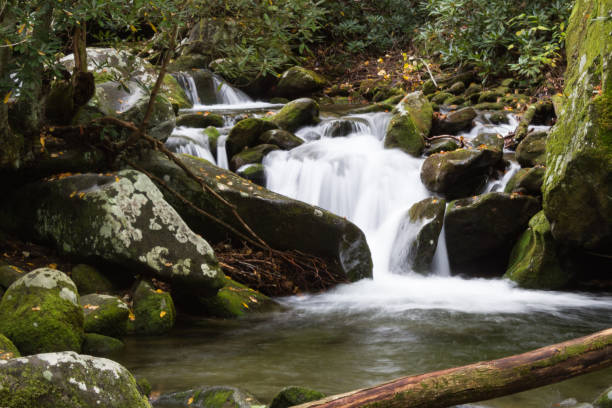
(532, 150)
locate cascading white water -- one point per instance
(191, 141)
(187, 82)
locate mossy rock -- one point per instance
(95, 344)
(67, 380)
(493, 141)
(410, 124)
(498, 118)
(443, 145)
(604, 400)
(485, 225)
(454, 122)
(459, 173)
(527, 181)
(154, 311)
(281, 138)
(532, 150)
(59, 105)
(296, 114)
(428, 215)
(456, 88)
(473, 89)
(428, 87)
(209, 397)
(489, 106)
(173, 92)
(255, 173)
(440, 97)
(534, 261)
(454, 101)
(7, 349)
(236, 300)
(245, 134)
(489, 96)
(199, 120)
(40, 313)
(90, 280)
(189, 62)
(9, 274)
(104, 314)
(253, 155)
(298, 81)
(291, 396)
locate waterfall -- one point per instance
(228, 95)
(221, 152)
(186, 82)
(190, 141)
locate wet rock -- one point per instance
(246, 134)
(199, 120)
(105, 314)
(7, 349)
(428, 87)
(532, 150)
(298, 81)
(473, 89)
(208, 397)
(253, 155)
(281, 138)
(280, 221)
(442, 145)
(440, 97)
(492, 141)
(454, 101)
(534, 261)
(9, 274)
(98, 345)
(498, 118)
(454, 121)
(492, 106)
(486, 224)
(425, 218)
(604, 400)
(40, 312)
(89, 280)
(67, 380)
(489, 96)
(341, 128)
(236, 300)
(121, 219)
(528, 181)
(296, 114)
(410, 124)
(291, 396)
(153, 311)
(188, 63)
(253, 172)
(456, 88)
(459, 173)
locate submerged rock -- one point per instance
(7, 349)
(296, 114)
(40, 312)
(410, 124)
(104, 314)
(154, 311)
(486, 224)
(532, 150)
(298, 81)
(534, 261)
(208, 397)
(67, 380)
(121, 219)
(282, 222)
(291, 396)
(578, 183)
(236, 300)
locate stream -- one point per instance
(397, 324)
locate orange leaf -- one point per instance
(162, 313)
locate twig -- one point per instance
(428, 71)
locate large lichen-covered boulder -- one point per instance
(119, 218)
(534, 261)
(89, 280)
(154, 311)
(298, 81)
(453, 122)
(532, 150)
(251, 155)
(486, 225)
(421, 226)
(527, 181)
(95, 344)
(281, 138)
(578, 184)
(291, 396)
(410, 124)
(40, 312)
(208, 397)
(459, 173)
(296, 114)
(105, 314)
(245, 134)
(236, 300)
(67, 380)
(7, 349)
(282, 222)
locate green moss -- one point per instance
(105, 314)
(7, 349)
(604, 400)
(89, 280)
(403, 133)
(153, 310)
(440, 97)
(253, 155)
(98, 345)
(489, 106)
(200, 120)
(245, 134)
(298, 81)
(174, 93)
(291, 396)
(297, 113)
(236, 300)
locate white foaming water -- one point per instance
(189, 86)
(221, 152)
(191, 141)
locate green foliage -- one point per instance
(496, 36)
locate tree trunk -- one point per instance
(83, 82)
(484, 380)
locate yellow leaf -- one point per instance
(36, 308)
(162, 313)
(152, 27)
(245, 305)
(190, 400)
(116, 179)
(132, 28)
(72, 194)
(81, 195)
(52, 266)
(7, 96)
(380, 60)
(159, 291)
(91, 307)
(41, 53)
(21, 29)
(132, 317)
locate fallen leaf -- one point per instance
(36, 308)
(162, 313)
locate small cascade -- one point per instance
(187, 82)
(500, 185)
(190, 141)
(222, 153)
(228, 95)
(440, 265)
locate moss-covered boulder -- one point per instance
(534, 261)
(459, 173)
(527, 181)
(154, 311)
(291, 396)
(253, 172)
(417, 236)
(492, 141)
(296, 114)
(246, 134)
(281, 138)
(489, 96)
(209, 397)
(9, 274)
(282, 222)
(410, 124)
(578, 184)
(532, 150)
(40, 312)
(199, 120)
(298, 81)
(90, 280)
(236, 300)
(119, 218)
(67, 380)
(7, 349)
(440, 97)
(443, 145)
(604, 400)
(453, 122)
(253, 155)
(105, 314)
(489, 106)
(95, 344)
(486, 225)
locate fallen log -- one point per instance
(483, 380)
